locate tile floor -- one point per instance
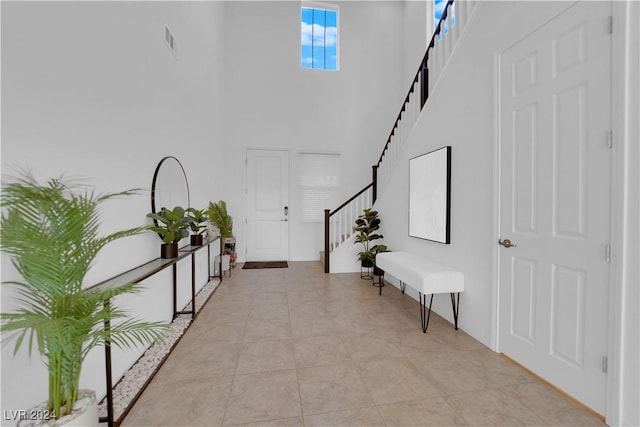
(297, 347)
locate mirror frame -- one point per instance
(154, 189)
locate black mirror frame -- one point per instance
(153, 186)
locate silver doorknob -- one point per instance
(506, 243)
(284, 220)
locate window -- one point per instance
(438, 10)
(319, 39)
(319, 181)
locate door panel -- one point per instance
(267, 195)
(554, 201)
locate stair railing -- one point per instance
(439, 50)
(339, 222)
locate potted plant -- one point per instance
(172, 225)
(198, 222)
(220, 218)
(366, 225)
(50, 231)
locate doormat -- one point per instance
(264, 264)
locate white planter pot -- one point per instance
(226, 265)
(85, 413)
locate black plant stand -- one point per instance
(378, 272)
(366, 270)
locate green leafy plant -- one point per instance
(51, 233)
(198, 220)
(219, 217)
(171, 224)
(366, 225)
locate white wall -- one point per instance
(463, 117)
(416, 36)
(90, 89)
(624, 332)
(273, 103)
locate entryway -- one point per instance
(267, 203)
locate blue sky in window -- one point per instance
(319, 38)
(437, 13)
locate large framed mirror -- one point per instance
(170, 187)
(430, 196)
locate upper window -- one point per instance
(319, 41)
(438, 10)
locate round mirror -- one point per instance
(170, 187)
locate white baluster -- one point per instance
(432, 68)
(353, 214)
(462, 13)
(384, 171)
(446, 40)
(439, 60)
(341, 227)
(340, 219)
(455, 30)
(335, 229)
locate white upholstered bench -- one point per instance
(426, 277)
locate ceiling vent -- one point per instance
(171, 41)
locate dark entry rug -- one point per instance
(265, 264)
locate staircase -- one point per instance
(339, 223)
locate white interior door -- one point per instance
(267, 202)
(554, 201)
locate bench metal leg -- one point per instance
(403, 286)
(456, 306)
(424, 316)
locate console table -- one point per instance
(137, 275)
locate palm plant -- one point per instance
(51, 233)
(219, 217)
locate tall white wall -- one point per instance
(460, 113)
(273, 103)
(90, 89)
(625, 334)
(417, 30)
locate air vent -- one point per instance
(171, 41)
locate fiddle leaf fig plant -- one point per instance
(171, 224)
(50, 231)
(198, 220)
(366, 225)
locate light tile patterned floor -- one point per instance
(297, 347)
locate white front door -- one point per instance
(554, 201)
(267, 202)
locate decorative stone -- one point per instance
(134, 379)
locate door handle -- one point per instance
(506, 243)
(284, 220)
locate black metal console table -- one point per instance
(137, 275)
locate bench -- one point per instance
(427, 277)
